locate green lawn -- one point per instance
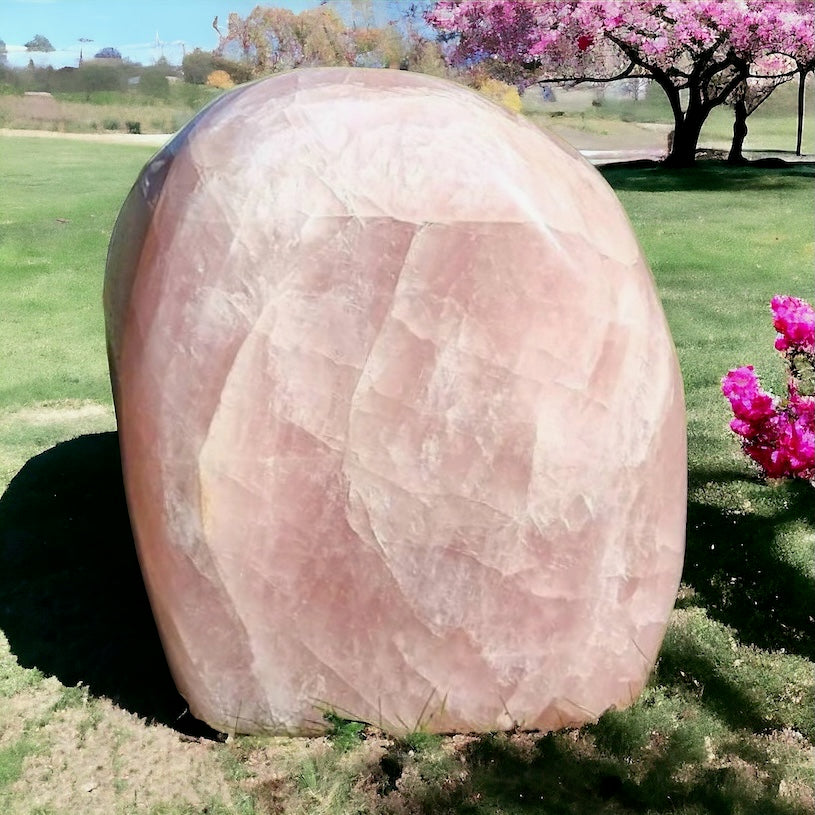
(772, 127)
(58, 202)
(727, 723)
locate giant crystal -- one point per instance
(401, 420)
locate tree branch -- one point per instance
(706, 75)
(719, 98)
(705, 58)
(785, 76)
(627, 72)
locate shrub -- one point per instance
(220, 79)
(344, 734)
(506, 95)
(779, 434)
(239, 71)
(154, 83)
(133, 127)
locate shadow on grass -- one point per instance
(683, 665)
(713, 176)
(733, 566)
(72, 600)
(557, 776)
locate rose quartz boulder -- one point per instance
(401, 419)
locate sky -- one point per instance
(131, 26)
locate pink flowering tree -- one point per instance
(800, 46)
(779, 434)
(795, 50)
(771, 72)
(700, 52)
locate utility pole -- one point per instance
(82, 40)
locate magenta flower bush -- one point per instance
(779, 434)
(794, 320)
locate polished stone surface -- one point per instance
(401, 419)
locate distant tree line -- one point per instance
(105, 74)
(362, 33)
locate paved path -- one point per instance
(596, 157)
(150, 139)
(159, 139)
(614, 156)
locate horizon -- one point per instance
(82, 28)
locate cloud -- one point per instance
(21, 49)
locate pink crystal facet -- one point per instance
(401, 420)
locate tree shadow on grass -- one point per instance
(712, 176)
(72, 600)
(555, 775)
(732, 563)
(683, 665)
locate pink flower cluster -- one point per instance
(779, 435)
(794, 320)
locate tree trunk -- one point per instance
(686, 138)
(739, 134)
(802, 78)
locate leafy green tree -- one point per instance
(95, 76)
(197, 66)
(379, 47)
(64, 80)
(154, 82)
(274, 39)
(108, 53)
(39, 43)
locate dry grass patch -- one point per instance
(68, 411)
(96, 758)
(27, 113)
(28, 430)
